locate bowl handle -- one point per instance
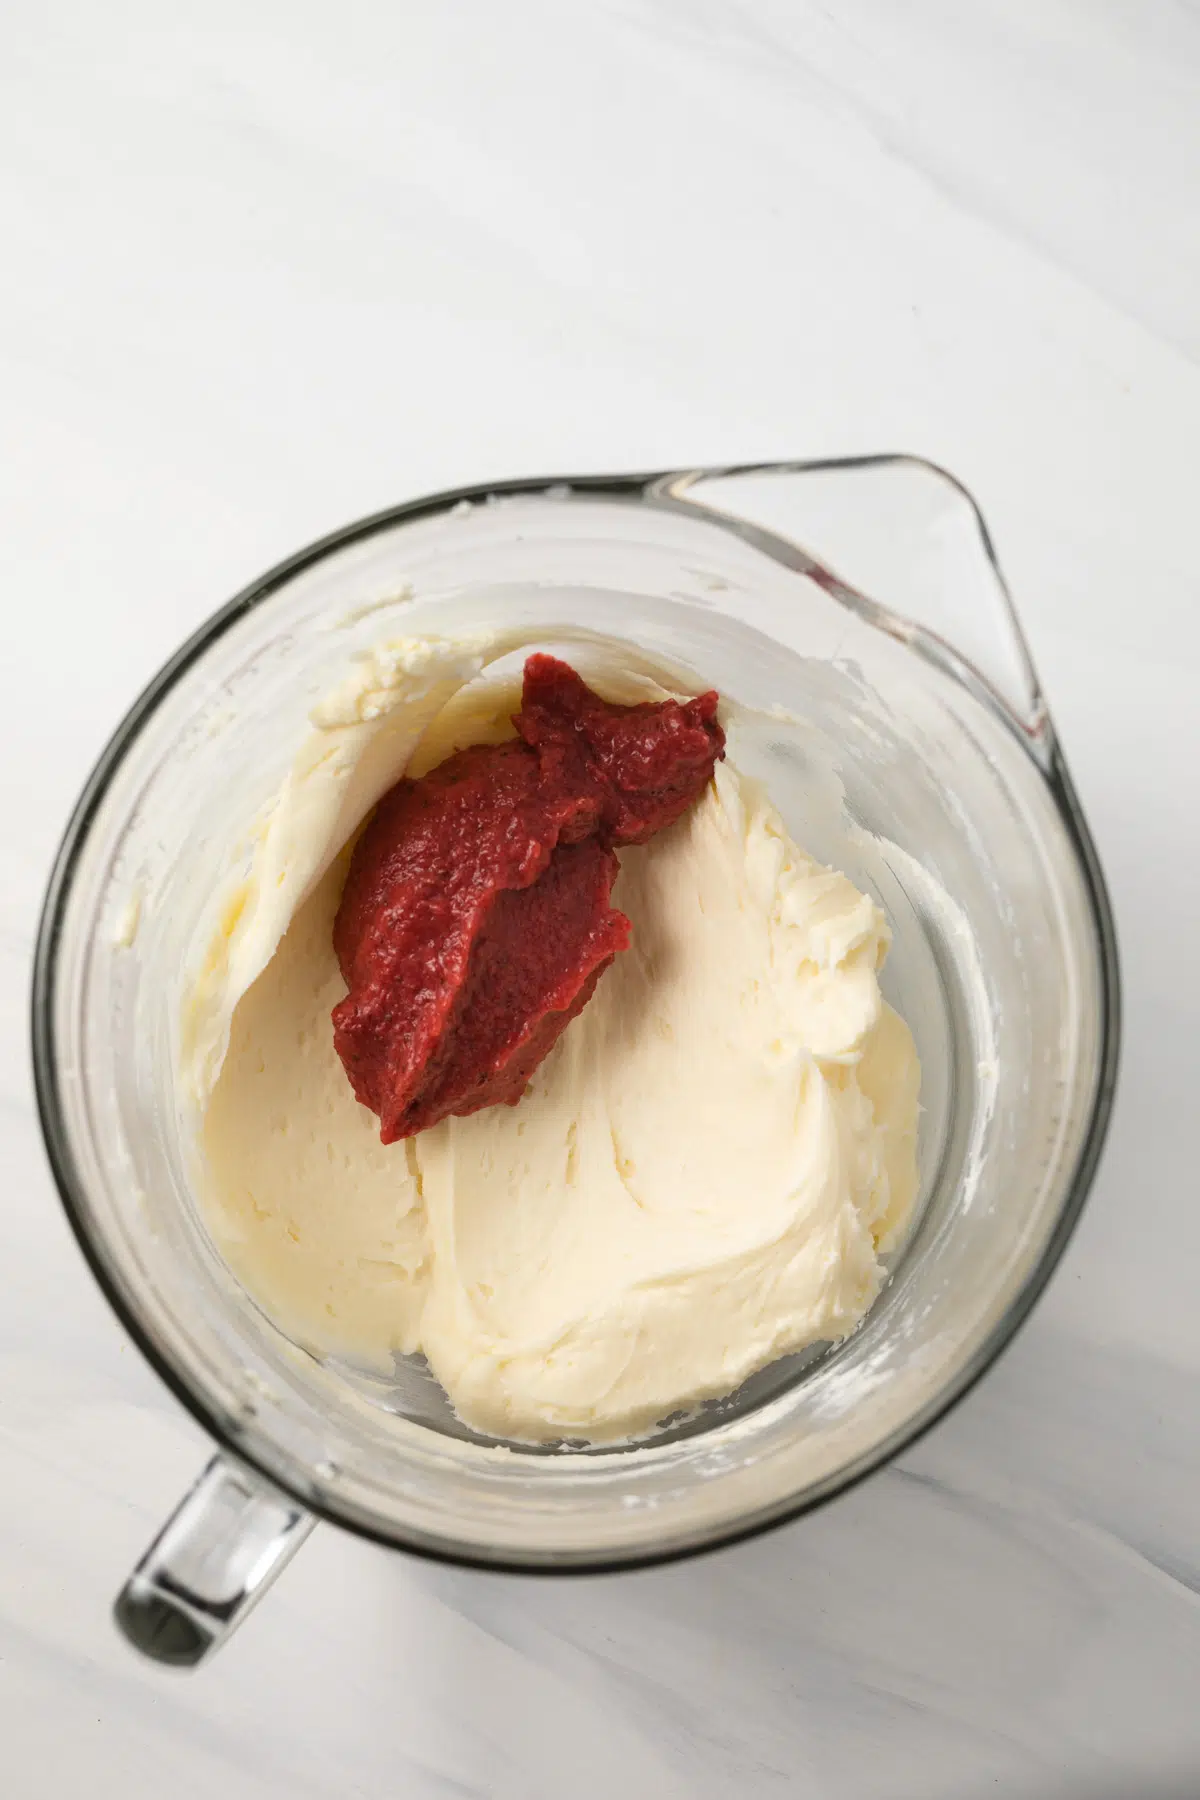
(899, 541)
(210, 1564)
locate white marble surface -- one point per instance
(271, 264)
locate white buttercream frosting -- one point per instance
(703, 1174)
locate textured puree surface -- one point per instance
(475, 923)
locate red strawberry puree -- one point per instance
(475, 920)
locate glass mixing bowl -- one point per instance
(904, 677)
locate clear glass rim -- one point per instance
(665, 490)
